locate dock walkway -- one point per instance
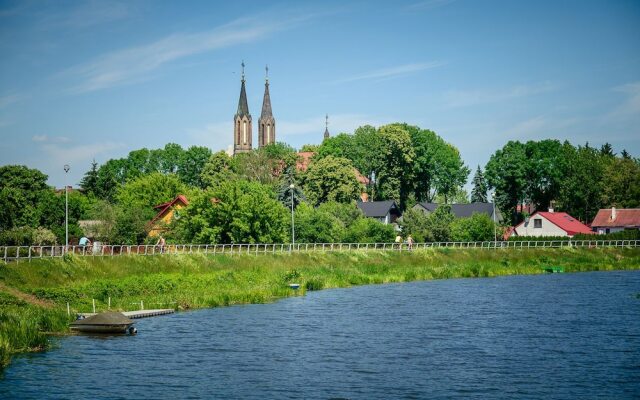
(139, 313)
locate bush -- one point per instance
(622, 235)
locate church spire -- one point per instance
(242, 122)
(326, 126)
(266, 123)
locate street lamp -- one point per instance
(293, 229)
(495, 236)
(66, 208)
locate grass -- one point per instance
(35, 295)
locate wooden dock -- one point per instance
(140, 313)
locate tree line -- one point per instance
(248, 198)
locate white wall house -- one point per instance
(551, 224)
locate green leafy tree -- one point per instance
(192, 164)
(331, 179)
(415, 223)
(150, 190)
(346, 213)
(622, 183)
(369, 230)
(314, 225)
(340, 145)
(236, 211)
(459, 196)
(313, 148)
(439, 222)
(286, 193)
(217, 169)
(480, 188)
(21, 190)
(545, 169)
(51, 209)
(477, 228)
(171, 158)
(506, 171)
(395, 179)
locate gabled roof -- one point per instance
(463, 210)
(563, 221)
(625, 218)
(164, 207)
(378, 209)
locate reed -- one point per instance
(195, 281)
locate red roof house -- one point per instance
(165, 215)
(549, 223)
(609, 220)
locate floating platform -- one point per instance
(139, 313)
(553, 270)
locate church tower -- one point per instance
(326, 126)
(242, 123)
(266, 123)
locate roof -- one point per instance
(266, 103)
(565, 222)
(303, 164)
(378, 209)
(164, 207)
(243, 107)
(625, 218)
(463, 210)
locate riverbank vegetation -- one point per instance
(34, 296)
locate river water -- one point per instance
(548, 336)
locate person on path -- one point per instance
(410, 242)
(160, 243)
(399, 241)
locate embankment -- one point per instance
(34, 296)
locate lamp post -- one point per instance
(293, 229)
(495, 236)
(66, 208)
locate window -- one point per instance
(537, 223)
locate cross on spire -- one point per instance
(242, 69)
(326, 121)
(266, 68)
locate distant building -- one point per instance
(610, 220)
(326, 127)
(386, 211)
(549, 223)
(463, 210)
(167, 212)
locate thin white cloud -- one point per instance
(9, 99)
(631, 104)
(50, 139)
(464, 98)
(87, 14)
(393, 72)
(137, 63)
(58, 154)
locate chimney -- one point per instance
(551, 205)
(614, 214)
(550, 209)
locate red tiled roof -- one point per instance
(566, 222)
(625, 218)
(164, 207)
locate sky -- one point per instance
(85, 80)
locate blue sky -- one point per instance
(94, 80)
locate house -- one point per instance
(550, 223)
(609, 220)
(167, 212)
(386, 211)
(463, 210)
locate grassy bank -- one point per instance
(34, 295)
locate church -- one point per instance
(242, 122)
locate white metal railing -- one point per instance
(16, 253)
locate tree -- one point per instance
(192, 164)
(286, 193)
(438, 224)
(89, 182)
(331, 179)
(313, 148)
(337, 146)
(21, 190)
(346, 213)
(236, 211)
(395, 178)
(477, 228)
(314, 225)
(480, 188)
(150, 190)
(545, 169)
(369, 230)
(607, 150)
(217, 169)
(416, 224)
(458, 196)
(506, 171)
(622, 183)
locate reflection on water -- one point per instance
(547, 336)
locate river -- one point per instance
(547, 336)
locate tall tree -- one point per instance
(545, 169)
(480, 188)
(89, 182)
(21, 190)
(150, 190)
(218, 168)
(331, 179)
(192, 164)
(506, 171)
(395, 177)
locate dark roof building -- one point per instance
(384, 211)
(462, 210)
